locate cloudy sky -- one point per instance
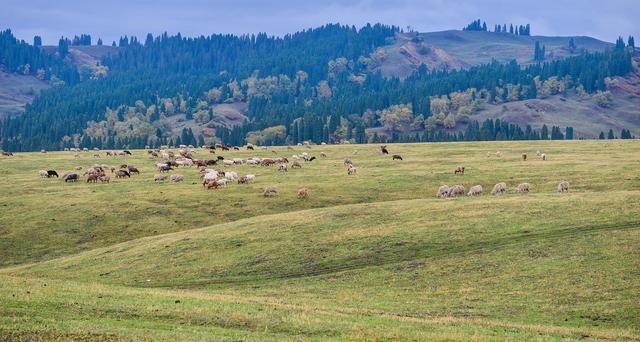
(603, 19)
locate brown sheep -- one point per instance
(296, 164)
(563, 186)
(443, 191)
(351, 170)
(159, 178)
(499, 189)
(122, 174)
(523, 188)
(92, 178)
(456, 190)
(459, 170)
(303, 193)
(475, 190)
(104, 179)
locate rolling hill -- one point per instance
(369, 256)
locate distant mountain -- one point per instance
(329, 84)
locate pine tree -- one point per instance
(544, 133)
(37, 41)
(631, 43)
(610, 135)
(601, 136)
(569, 132)
(99, 41)
(620, 44)
(572, 45)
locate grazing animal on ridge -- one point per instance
(303, 193)
(296, 165)
(443, 191)
(159, 177)
(93, 178)
(456, 190)
(70, 177)
(475, 190)
(524, 157)
(459, 170)
(499, 189)
(270, 191)
(523, 188)
(396, 157)
(563, 186)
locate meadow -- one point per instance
(371, 256)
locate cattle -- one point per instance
(396, 157)
(383, 149)
(459, 170)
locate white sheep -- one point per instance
(230, 175)
(228, 162)
(177, 178)
(43, 173)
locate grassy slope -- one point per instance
(537, 266)
(16, 90)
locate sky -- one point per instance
(51, 19)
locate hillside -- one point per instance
(17, 90)
(368, 256)
(454, 50)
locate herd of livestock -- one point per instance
(214, 177)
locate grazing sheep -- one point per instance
(459, 170)
(523, 188)
(43, 151)
(383, 149)
(212, 184)
(158, 177)
(176, 178)
(475, 190)
(231, 176)
(396, 157)
(70, 177)
(104, 178)
(92, 178)
(543, 156)
(283, 168)
(443, 191)
(251, 178)
(122, 174)
(228, 162)
(133, 169)
(222, 182)
(43, 173)
(165, 168)
(488, 154)
(499, 189)
(498, 154)
(322, 154)
(296, 164)
(524, 157)
(563, 186)
(96, 155)
(76, 155)
(351, 170)
(347, 161)
(303, 193)
(538, 153)
(51, 173)
(78, 168)
(456, 190)
(270, 191)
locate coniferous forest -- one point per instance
(315, 85)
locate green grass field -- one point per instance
(372, 256)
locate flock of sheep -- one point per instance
(214, 178)
(445, 191)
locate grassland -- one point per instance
(373, 256)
